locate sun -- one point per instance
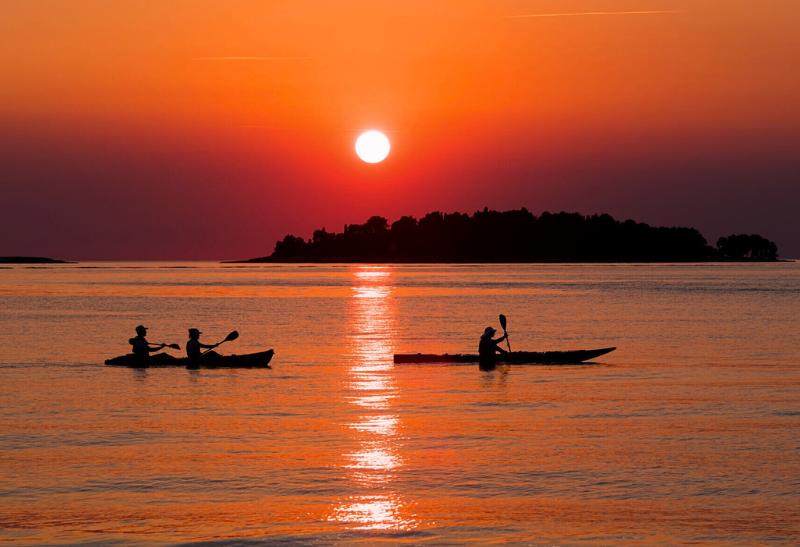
(373, 146)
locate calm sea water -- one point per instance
(688, 433)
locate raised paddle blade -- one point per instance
(503, 324)
(231, 337)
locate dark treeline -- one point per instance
(30, 260)
(743, 246)
(514, 236)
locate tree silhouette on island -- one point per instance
(30, 260)
(515, 236)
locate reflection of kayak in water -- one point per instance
(250, 360)
(515, 358)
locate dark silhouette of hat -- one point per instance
(140, 329)
(194, 331)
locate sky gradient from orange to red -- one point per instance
(197, 129)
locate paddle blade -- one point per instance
(503, 324)
(173, 346)
(232, 336)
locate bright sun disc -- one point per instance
(373, 146)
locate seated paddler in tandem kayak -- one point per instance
(142, 348)
(194, 349)
(488, 348)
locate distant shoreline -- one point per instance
(31, 260)
(4, 262)
(267, 260)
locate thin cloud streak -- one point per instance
(252, 58)
(591, 13)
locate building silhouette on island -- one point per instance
(515, 236)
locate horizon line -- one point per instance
(251, 58)
(590, 13)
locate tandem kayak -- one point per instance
(250, 360)
(516, 357)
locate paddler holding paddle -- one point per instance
(489, 348)
(142, 348)
(194, 347)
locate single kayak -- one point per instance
(516, 357)
(250, 360)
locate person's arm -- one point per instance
(155, 347)
(497, 344)
(208, 346)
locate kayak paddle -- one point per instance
(171, 346)
(503, 324)
(230, 338)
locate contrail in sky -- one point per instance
(590, 13)
(243, 58)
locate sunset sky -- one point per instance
(201, 129)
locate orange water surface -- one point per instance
(688, 433)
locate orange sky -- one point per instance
(230, 108)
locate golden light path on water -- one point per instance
(372, 467)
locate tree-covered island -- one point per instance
(515, 236)
(30, 260)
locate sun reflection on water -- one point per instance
(373, 465)
(379, 425)
(374, 513)
(377, 402)
(375, 459)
